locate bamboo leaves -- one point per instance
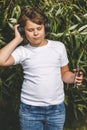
(68, 23)
(14, 16)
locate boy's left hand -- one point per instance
(78, 78)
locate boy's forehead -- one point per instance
(30, 23)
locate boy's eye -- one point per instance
(31, 30)
(39, 28)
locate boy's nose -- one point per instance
(35, 32)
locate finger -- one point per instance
(78, 84)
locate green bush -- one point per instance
(68, 20)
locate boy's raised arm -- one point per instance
(5, 53)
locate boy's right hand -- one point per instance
(17, 34)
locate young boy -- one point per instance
(45, 68)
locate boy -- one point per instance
(45, 68)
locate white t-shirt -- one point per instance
(42, 85)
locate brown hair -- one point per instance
(32, 14)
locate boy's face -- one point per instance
(34, 33)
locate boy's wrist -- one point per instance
(18, 40)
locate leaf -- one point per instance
(57, 35)
(78, 18)
(12, 20)
(73, 27)
(82, 28)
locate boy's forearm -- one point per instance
(6, 51)
(68, 77)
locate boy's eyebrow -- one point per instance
(32, 27)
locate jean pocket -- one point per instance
(24, 108)
(61, 108)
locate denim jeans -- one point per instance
(42, 117)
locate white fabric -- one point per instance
(42, 83)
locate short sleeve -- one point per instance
(64, 58)
(18, 55)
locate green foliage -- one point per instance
(68, 20)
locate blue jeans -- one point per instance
(42, 117)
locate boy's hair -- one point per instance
(32, 14)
